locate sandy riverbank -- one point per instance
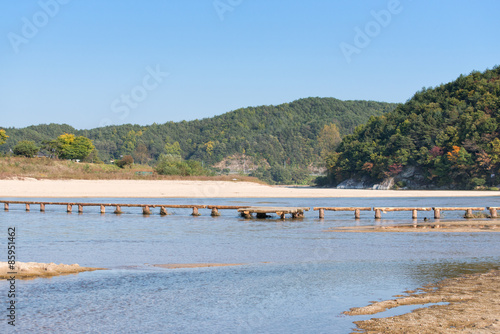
(448, 226)
(199, 189)
(473, 307)
(29, 270)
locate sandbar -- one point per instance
(30, 270)
(30, 187)
(473, 307)
(443, 226)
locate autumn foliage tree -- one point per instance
(71, 147)
(127, 160)
(3, 136)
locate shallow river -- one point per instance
(297, 278)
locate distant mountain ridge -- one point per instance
(282, 134)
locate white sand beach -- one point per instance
(200, 189)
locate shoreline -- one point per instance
(472, 305)
(32, 188)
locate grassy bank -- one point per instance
(45, 168)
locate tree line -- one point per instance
(65, 146)
(292, 134)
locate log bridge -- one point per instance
(247, 211)
(215, 208)
(146, 208)
(357, 211)
(468, 211)
(378, 211)
(262, 212)
(437, 210)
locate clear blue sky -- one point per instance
(88, 62)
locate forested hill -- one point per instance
(447, 136)
(283, 133)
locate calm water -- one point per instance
(297, 278)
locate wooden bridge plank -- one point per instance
(343, 208)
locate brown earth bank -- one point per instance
(474, 307)
(449, 226)
(195, 265)
(30, 270)
(20, 168)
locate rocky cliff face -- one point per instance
(365, 183)
(409, 178)
(237, 163)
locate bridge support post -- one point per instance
(195, 212)
(299, 214)
(246, 214)
(493, 213)
(215, 212)
(163, 211)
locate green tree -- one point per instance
(328, 139)
(494, 148)
(173, 149)
(50, 147)
(26, 148)
(93, 157)
(141, 154)
(72, 147)
(169, 164)
(129, 142)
